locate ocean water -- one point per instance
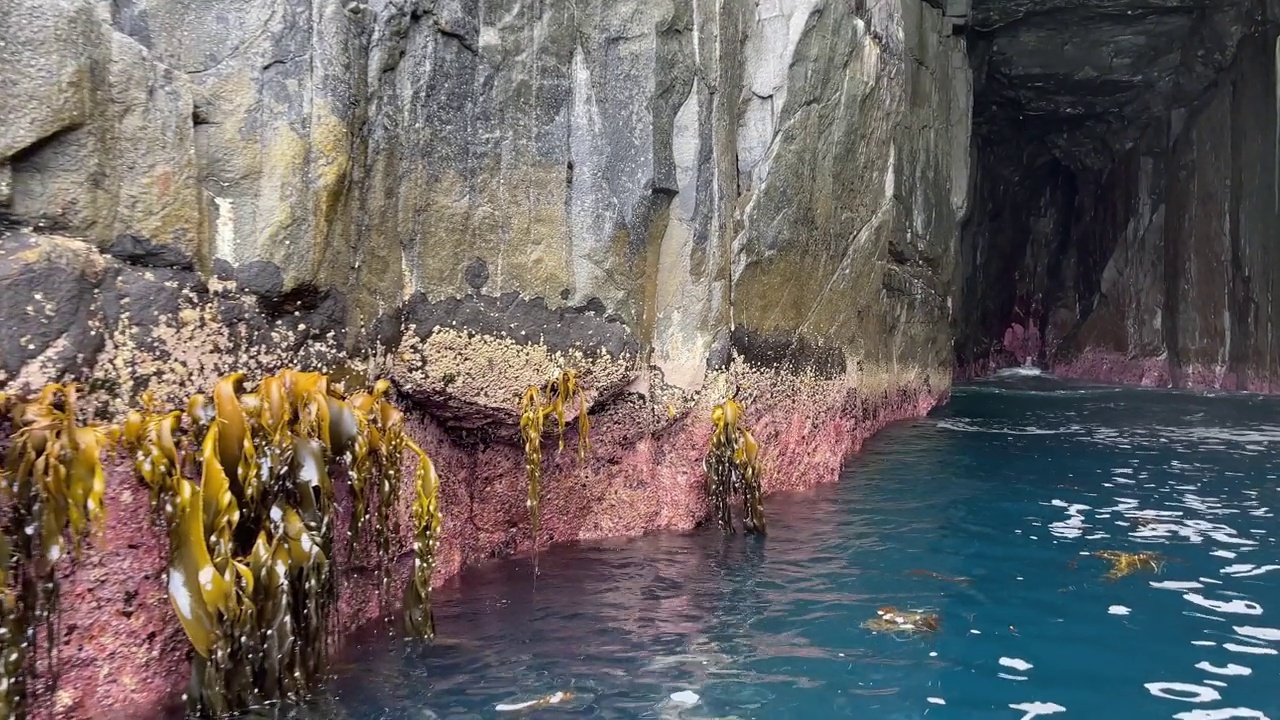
(986, 513)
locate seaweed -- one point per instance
(1125, 563)
(732, 465)
(51, 489)
(251, 574)
(536, 406)
(891, 620)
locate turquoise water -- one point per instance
(985, 513)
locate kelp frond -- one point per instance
(1125, 563)
(536, 406)
(251, 544)
(427, 522)
(733, 467)
(890, 619)
(51, 489)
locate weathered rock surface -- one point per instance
(676, 198)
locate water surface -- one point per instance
(986, 513)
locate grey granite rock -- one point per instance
(793, 170)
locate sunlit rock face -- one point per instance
(1124, 217)
(677, 198)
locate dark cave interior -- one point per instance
(1124, 200)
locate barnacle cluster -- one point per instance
(51, 489)
(733, 468)
(251, 576)
(1124, 563)
(536, 406)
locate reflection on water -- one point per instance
(998, 514)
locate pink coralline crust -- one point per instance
(1023, 341)
(123, 654)
(1113, 367)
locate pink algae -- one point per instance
(122, 654)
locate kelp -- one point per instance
(426, 534)
(536, 406)
(1125, 563)
(251, 576)
(890, 619)
(51, 490)
(732, 465)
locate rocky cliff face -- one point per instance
(675, 198)
(1126, 212)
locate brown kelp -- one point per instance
(733, 467)
(51, 492)
(1125, 563)
(538, 404)
(890, 619)
(245, 488)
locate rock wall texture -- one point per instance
(677, 198)
(1134, 238)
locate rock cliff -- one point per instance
(676, 198)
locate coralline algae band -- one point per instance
(122, 653)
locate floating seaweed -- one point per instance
(1123, 563)
(892, 620)
(920, 572)
(251, 576)
(545, 701)
(51, 490)
(733, 468)
(536, 406)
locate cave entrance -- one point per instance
(1124, 219)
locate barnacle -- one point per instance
(51, 489)
(732, 464)
(536, 405)
(251, 576)
(1123, 563)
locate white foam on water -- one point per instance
(1245, 570)
(1223, 554)
(1016, 663)
(935, 701)
(685, 697)
(1250, 649)
(1185, 692)
(1176, 585)
(1228, 669)
(1242, 607)
(1221, 714)
(1261, 633)
(1020, 371)
(1118, 610)
(1204, 643)
(963, 426)
(1011, 677)
(1074, 525)
(1215, 683)
(1032, 709)
(551, 699)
